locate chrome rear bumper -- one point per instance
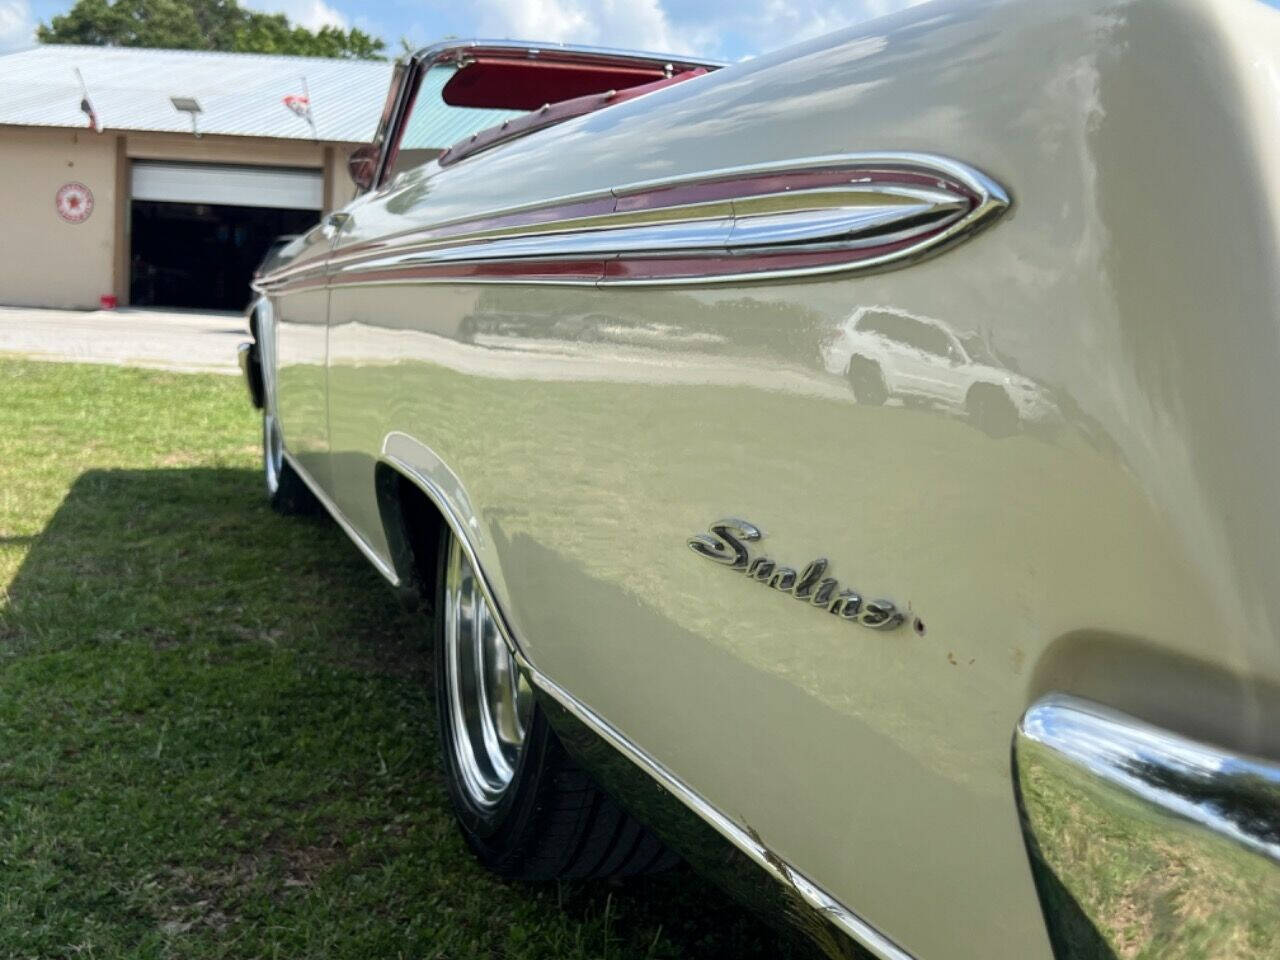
(1145, 843)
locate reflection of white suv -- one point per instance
(891, 353)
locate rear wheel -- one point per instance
(523, 806)
(287, 492)
(867, 380)
(991, 411)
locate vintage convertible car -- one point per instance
(926, 690)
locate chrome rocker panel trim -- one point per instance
(370, 554)
(745, 841)
(1101, 794)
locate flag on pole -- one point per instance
(300, 104)
(86, 107)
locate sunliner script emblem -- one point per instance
(726, 544)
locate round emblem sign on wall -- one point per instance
(74, 202)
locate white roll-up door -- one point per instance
(238, 186)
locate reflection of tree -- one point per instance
(757, 323)
(403, 201)
(749, 324)
(1249, 801)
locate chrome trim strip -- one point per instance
(819, 218)
(521, 281)
(882, 207)
(379, 564)
(746, 211)
(1145, 841)
(535, 49)
(842, 227)
(970, 177)
(991, 197)
(596, 240)
(841, 916)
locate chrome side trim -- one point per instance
(340, 518)
(818, 215)
(1144, 842)
(843, 918)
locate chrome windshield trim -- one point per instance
(1130, 828)
(535, 48)
(405, 84)
(845, 919)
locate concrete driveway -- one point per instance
(180, 340)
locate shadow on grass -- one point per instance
(218, 743)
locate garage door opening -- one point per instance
(198, 231)
(202, 255)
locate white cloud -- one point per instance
(717, 28)
(641, 24)
(769, 24)
(312, 14)
(680, 26)
(17, 25)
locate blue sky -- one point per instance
(731, 29)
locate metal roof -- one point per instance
(239, 94)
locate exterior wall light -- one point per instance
(188, 105)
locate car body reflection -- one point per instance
(887, 353)
(491, 326)
(1137, 834)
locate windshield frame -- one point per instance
(406, 82)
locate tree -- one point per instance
(201, 25)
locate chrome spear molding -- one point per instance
(830, 214)
(1138, 835)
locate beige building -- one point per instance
(161, 177)
(53, 260)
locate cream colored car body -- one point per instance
(1132, 558)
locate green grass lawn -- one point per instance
(215, 733)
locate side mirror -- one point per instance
(362, 166)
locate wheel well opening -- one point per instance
(983, 390)
(412, 523)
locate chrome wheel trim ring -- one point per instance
(272, 453)
(490, 702)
